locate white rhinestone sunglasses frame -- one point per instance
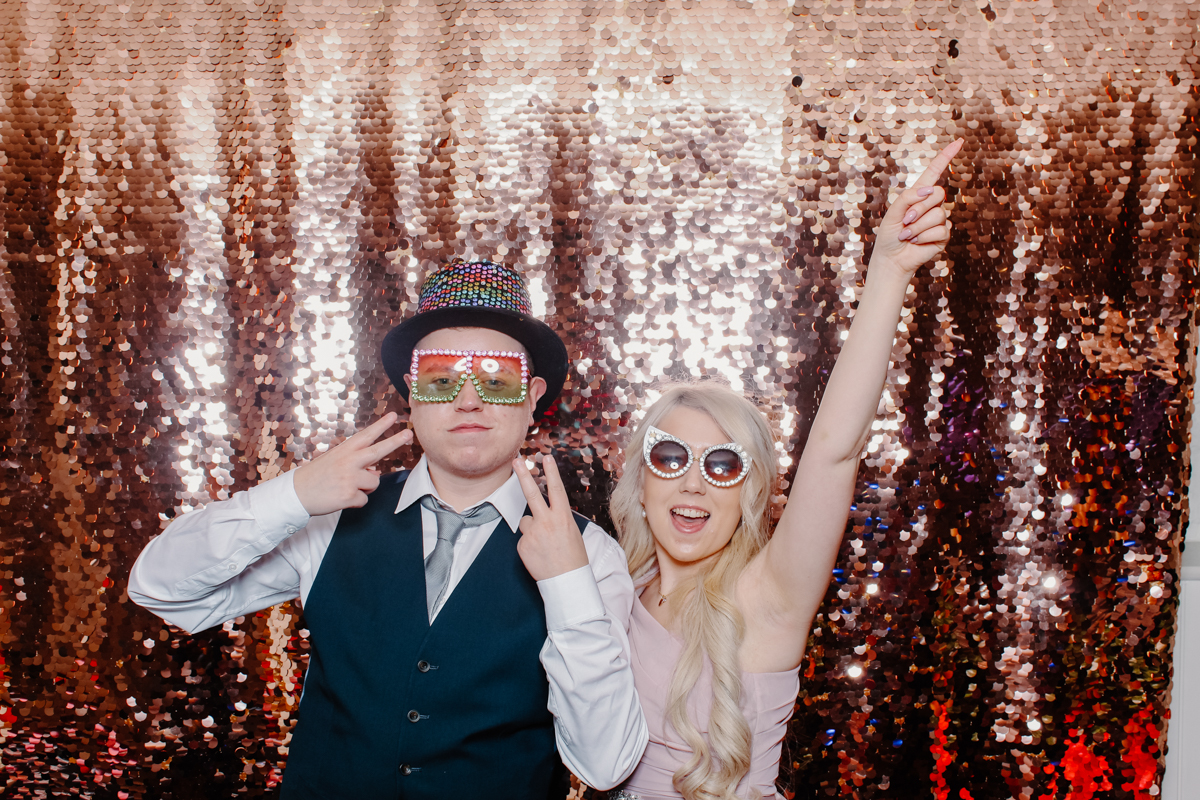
(655, 436)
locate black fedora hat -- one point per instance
(478, 294)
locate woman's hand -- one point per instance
(916, 228)
(344, 475)
(550, 544)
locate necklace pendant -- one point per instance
(662, 598)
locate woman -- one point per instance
(725, 607)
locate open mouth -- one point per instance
(689, 520)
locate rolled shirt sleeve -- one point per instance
(598, 719)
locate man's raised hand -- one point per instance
(344, 475)
(550, 544)
(916, 228)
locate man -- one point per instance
(449, 653)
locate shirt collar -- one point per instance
(509, 500)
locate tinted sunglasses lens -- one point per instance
(669, 457)
(438, 376)
(499, 377)
(723, 466)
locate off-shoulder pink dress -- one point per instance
(768, 699)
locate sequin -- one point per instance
(214, 212)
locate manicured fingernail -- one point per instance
(905, 234)
(910, 217)
(925, 191)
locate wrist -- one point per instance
(304, 491)
(549, 570)
(885, 271)
(571, 598)
(299, 487)
(276, 499)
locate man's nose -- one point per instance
(468, 398)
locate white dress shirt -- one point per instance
(260, 547)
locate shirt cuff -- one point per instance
(571, 598)
(274, 503)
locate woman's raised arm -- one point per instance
(795, 566)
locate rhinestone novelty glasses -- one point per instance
(499, 376)
(670, 457)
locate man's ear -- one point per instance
(537, 388)
(408, 381)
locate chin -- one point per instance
(470, 463)
(687, 553)
(694, 558)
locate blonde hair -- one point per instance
(710, 622)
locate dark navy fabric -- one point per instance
(396, 708)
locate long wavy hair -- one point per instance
(711, 624)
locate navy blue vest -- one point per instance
(396, 708)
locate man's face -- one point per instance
(467, 437)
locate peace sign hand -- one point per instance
(344, 475)
(550, 543)
(916, 228)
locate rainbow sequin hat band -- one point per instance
(478, 294)
(478, 284)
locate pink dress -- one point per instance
(768, 699)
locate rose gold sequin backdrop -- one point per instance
(213, 211)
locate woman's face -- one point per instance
(690, 518)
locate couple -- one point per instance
(453, 656)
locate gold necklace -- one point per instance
(662, 598)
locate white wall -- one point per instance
(1183, 731)
(1182, 779)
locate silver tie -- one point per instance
(450, 524)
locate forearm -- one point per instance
(598, 719)
(851, 398)
(245, 593)
(796, 561)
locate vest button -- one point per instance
(413, 715)
(423, 666)
(405, 769)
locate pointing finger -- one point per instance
(554, 484)
(529, 488)
(942, 160)
(373, 431)
(381, 449)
